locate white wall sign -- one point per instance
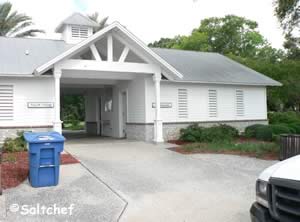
(40, 105)
(162, 105)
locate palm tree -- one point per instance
(13, 24)
(95, 18)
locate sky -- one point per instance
(151, 20)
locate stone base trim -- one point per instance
(11, 131)
(91, 128)
(171, 131)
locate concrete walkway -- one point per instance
(161, 185)
(90, 199)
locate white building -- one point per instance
(122, 80)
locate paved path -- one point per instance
(161, 185)
(92, 199)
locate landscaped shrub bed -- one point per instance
(17, 144)
(258, 140)
(263, 150)
(218, 133)
(15, 167)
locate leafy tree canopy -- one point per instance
(229, 34)
(288, 14)
(14, 24)
(286, 97)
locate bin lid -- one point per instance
(42, 137)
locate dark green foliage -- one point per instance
(73, 110)
(15, 144)
(192, 133)
(295, 126)
(283, 117)
(229, 130)
(278, 129)
(226, 35)
(289, 120)
(220, 133)
(259, 149)
(166, 42)
(264, 133)
(14, 24)
(259, 131)
(250, 131)
(288, 14)
(286, 97)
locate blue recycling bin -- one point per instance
(44, 157)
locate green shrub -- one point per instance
(15, 144)
(295, 126)
(229, 130)
(264, 133)
(250, 131)
(259, 131)
(283, 117)
(192, 133)
(258, 148)
(278, 129)
(218, 133)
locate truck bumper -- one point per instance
(260, 214)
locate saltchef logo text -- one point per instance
(41, 209)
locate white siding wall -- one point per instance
(135, 90)
(136, 100)
(30, 90)
(254, 102)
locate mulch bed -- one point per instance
(181, 150)
(15, 167)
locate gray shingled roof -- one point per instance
(76, 19)
(194, 66)
(13, 58)
(212, 68)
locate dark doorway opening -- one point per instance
(73, 112)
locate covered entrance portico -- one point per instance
(106, 96)
(111, 68)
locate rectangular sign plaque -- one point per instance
(162, 105)
(40, 105)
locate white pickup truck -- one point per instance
(278, 193)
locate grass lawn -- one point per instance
(262, 150)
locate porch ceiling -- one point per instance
(86, 82)
(68, 75)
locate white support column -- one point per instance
(109, 48)
(158, 127)
(57, 124)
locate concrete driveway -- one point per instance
(160, 185)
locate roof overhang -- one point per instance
(92, 39)
(276, 83)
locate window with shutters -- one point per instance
(212, 103)
(6, 102)
(79, 32)
(182, 103)
(239, 99)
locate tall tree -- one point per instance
(14, 24)
(166, 42)
(231, 34)
(226, 35)
(288, 14)
(102, 22)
